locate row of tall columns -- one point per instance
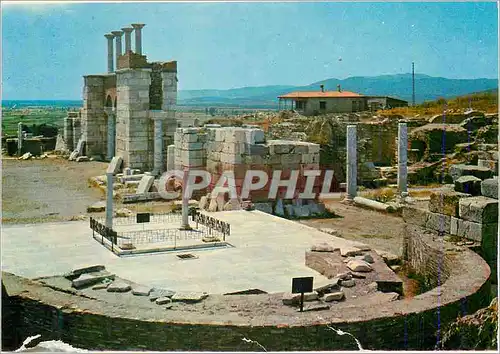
(352, 161)
(137, 27)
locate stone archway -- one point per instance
(110, 128)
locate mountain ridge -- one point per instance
(398, 86)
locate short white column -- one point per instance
(402, 160)
(170, 157)
(138, 37)
(185, 202)
(158, 147)
(110, 37)
(128, 38)
(109, 199)
(352, 164)
(19, 138)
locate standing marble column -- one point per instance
(118, 35)
(170, 157)
(128, 38)
(402, 159)
(158, 146)
(138, 37)
(109, 199)
(20, 138)
(185, 202)
(110, 37)
(111, 134)
(352, 164)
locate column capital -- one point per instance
(117, 33)
(127, 29)
(109, 36)
(138, 26)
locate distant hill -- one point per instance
(427, 88)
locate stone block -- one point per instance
(118, 286)
(115, 165)
(189, 297)
(489, 188)
(446, 202)
(145, 184)
(97, 207)
(480, 209)
(438, 222)
(414, 216)
(264, 207)
(468, 184)
(357, 265)
(490, 164)
(141, 290)
(336, 296)
(255, 136)
(158, 293)
(456, 171)
(291, 299)
(301, 211)
(476, 231)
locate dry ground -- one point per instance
(378, 230)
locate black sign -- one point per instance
(302, 285)
(142, 217)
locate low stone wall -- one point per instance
(408, 324)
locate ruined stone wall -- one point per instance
(93, 118)
(458, 216)
(406, 325)
(241, 149)
(133, 125)
(156, 88)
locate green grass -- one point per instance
(10, 119)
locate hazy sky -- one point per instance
(48, 47)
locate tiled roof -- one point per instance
(320, 94)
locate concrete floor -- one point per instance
(268, 252)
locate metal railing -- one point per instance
(206, 227)
(213, 224)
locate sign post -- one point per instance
(302, 285)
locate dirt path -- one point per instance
(378, 230)
(51, 189)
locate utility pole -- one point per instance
(413, 83)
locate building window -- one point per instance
(354, 106)
(322, 104)
(299, 104)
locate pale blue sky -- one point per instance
(47, 48)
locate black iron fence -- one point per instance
(207, 229)
(211, 223)
(104, 231)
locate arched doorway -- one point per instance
(111, 127)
